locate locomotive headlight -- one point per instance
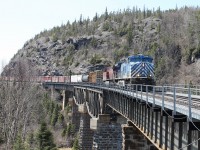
(142, 64)
(150, 75)
(138, 75)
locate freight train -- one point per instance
(136, 69)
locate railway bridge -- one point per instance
(168, 116)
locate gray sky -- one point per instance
(21, 20)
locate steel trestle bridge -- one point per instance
(169, 116)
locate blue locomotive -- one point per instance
(136, 69)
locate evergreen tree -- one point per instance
(81, 20)
(87, 23)
(55, 116)
(64, 132)
(70, 130)
(136, 13)
(106, 14)
(31, 142)
(60, 118)
(19, 144)
(129, 36)
(75, 144)
(133, 12)
(149, 13)
(95, 18)
(159, 13)
(144, 12)
(45, 138)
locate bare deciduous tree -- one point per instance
(20, 102)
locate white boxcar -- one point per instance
(76, 78)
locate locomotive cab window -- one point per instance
(147, 60)
(139, 58)
(134, 59)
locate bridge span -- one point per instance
(168, 116)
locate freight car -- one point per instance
(65, 79)
(54, 78)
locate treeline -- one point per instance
(89, 26)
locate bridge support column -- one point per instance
(189, 134)
(64, 99)
(82, 108)
(156, 110)
(148, 125)
(143, 104)
(166, 132)
(132, 109)
(198, 140)
(95, 122)
(137, 113)
(145, 119)
(85, 133)
(66, 96)
(172, 135)
(75, 114)
(161, 130)
(177, 119)
(180, 135)
(133, 139)
(152, 121)
(107, 135)
(166, 113)
(193, 126)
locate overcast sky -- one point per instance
(21, 20)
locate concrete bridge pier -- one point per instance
(75, 114)
(133, 139)
(107, 135)
(85, 133)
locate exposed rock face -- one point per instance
(48, 57)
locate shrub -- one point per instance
(95, 59)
